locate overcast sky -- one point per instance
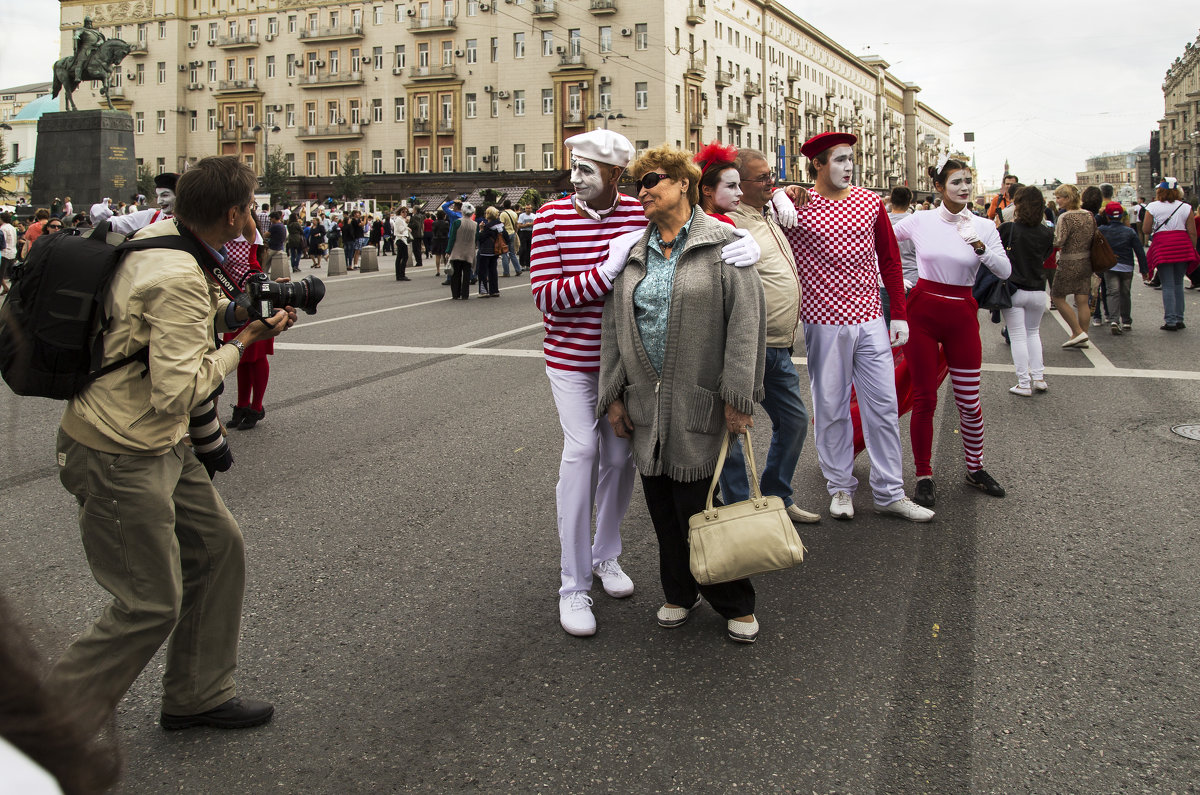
(1044, 83)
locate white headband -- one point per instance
(941, 163)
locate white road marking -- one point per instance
(1093, 354)
(310, 323)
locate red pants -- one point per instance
(944, 314)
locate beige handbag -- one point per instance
(745, 538)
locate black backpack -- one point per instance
(52, 324)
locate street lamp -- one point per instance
(266, 131)
(605, 118)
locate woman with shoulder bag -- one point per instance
(682, 353)
(1028, 242)
(1172, 231)
(1073, 234)
(490, 232)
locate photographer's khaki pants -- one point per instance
(159, 539)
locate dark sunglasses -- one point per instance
(648, 181)
(54, 226)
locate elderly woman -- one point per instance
(681, 364)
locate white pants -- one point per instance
(1024, 323)
(596, 469)
(858, 355)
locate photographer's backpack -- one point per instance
(52, 323)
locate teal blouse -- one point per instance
(652, 296)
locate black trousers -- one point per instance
(526, 238)
(401, 259)
(671, 503)
(460, 279)
(416, 252)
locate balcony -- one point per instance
(737, 119)
(237, 42)
(422, 126)
(237, 134)
(329, 132)
(752, 89)
(446, 126)
(603, 7)
(138, 48)
(572, 61)
(696, 120)
(573, 118)
(725, 78)
(115, 92)
(695, 68)
(794, 74)
(332, 33)
(236, 86)
(432, 25)
(545, 9)
(695, 14)
(433, 73)
(331, 80)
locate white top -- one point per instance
(19, 773)
(943, 256)
(8, 247)
(526, 218)
(1161, 211)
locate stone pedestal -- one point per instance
(278, 265)
(337, 262)
(369, 262)
(85, 154)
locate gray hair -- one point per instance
(747, 156)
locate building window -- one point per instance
(141, 33)
(472, 51)
(678, 98)
(401, 161)
(310, 163)
(472, 8)
(641, 36)
(289, 115)
(547, 101)
(194, 34)
(519, 103)
(447, 158)
(230, 68)
(270, 66)
(377, 58)
(333, 60)
(160, 121)
(640, 147)
(272, 26)
(377, 15)
(423, 159)
(356, 18)
(289, 161)
(140, 72)
(400, 108)
(160, 165)
(376, 110)
(495, 48)
(472, 158)
(377, 161)
(193, 121)
(212, 32)
(212, 71)
(495, 106)
(332, 159)
(547, 42)
(310, 114)
(447, 103)
(605, 39)
(547, 157)
(139, 122)
(212, 119)
(291, 66)
(291, 28)
(641, 97)
(355, 111)
(519, 157)
(162, 31)
(251, 70)
(606, 96)
(332, 112)
(423, 107)
(252, 26)
(401, 60)
(447, 53)
(574, 42)
(162, 72)
(472, 105)
(518, 45)
(423, 55)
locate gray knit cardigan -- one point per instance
(715, 354)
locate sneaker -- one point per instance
(924, 494)
(1023, 391)
(670, 617)
(575, 614)
(1097, 321)
(798, 514)
(1169, 327)
(1078, 341)
(616, 582)
(905, 509)
(1115, 328)
(236, 713)
(1126, 326)
(981, 480)
(741, 632)
(1040, 385)
(841, 506)
(1180, 326)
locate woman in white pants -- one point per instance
(1028, 242)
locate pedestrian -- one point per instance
(40, 217)
(1171, 229)
(1028, 240)
(317, 247)
(951, 243)
(8, 249)
(254, 369)
(490, 232)
(427, 234)
(1003, 198)
(1118, 279)
(508, 217)
(416, 226)
(175, 562)
(844, 246)
(1073, 233)
(441, 236)
(1092, 200)
(277, 235)
(462, 253)
(525, 233)
(295, 242)
(400, 240)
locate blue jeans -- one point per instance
(1171, 276)
(789, 427)
(511, 256)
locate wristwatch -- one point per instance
(979, 251)
(241, 347)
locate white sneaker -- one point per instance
(906, 509)
(741, 632)
(1040, 384)
(1023, 391)
(841, 506)
(798, 514)
(675, 616)
(575, 614)
(616, 582)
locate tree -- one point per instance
(532, 198)
(349, 183)
(274, 177)
(145, 181)
(6, 170)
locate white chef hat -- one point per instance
(602, 146)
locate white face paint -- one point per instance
(588, 180)
(841, 166)
(728, 193)
(166, 199)
(958, 186)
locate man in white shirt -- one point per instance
(8, 249)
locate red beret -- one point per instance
(819, 143)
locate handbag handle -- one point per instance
(755, 494)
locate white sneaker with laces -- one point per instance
(616, 582)
(906, 509)
(575, 614)
(841, 506)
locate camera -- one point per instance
(266, 296)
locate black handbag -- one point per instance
(990, 291)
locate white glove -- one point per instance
(618, 254)
(898, 331)
(743, 252)
(908, 285)
(784, 210)
(966, 230)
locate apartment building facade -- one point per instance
(1179, 128)
(423, 91)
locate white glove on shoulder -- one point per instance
(742, 252)
(966, 230)
(908, 285)
(618, 254)
(784, 210)
(898, 331)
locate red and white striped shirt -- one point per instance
(565, 255)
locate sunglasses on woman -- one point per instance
(648, 181)
(54, 226)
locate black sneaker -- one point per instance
(924, 494)
(1180, 326)
(985, 483)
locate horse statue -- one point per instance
(104, 60)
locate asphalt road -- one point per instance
(398, 508)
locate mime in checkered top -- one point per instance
(843, 244)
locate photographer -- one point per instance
(156, 534)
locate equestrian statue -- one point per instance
(96, 58)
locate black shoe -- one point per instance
(404, 279)
(985, 483)
(1004, 333)
(239, 414)
(924, 494)
(251, 418)
(236, 713)
(445, 284)
(1169, 327)
(1180, 326)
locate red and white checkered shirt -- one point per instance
(565, 255)
(841, 249)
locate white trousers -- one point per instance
(858, 355)
(1024, 323)
(596, 469)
